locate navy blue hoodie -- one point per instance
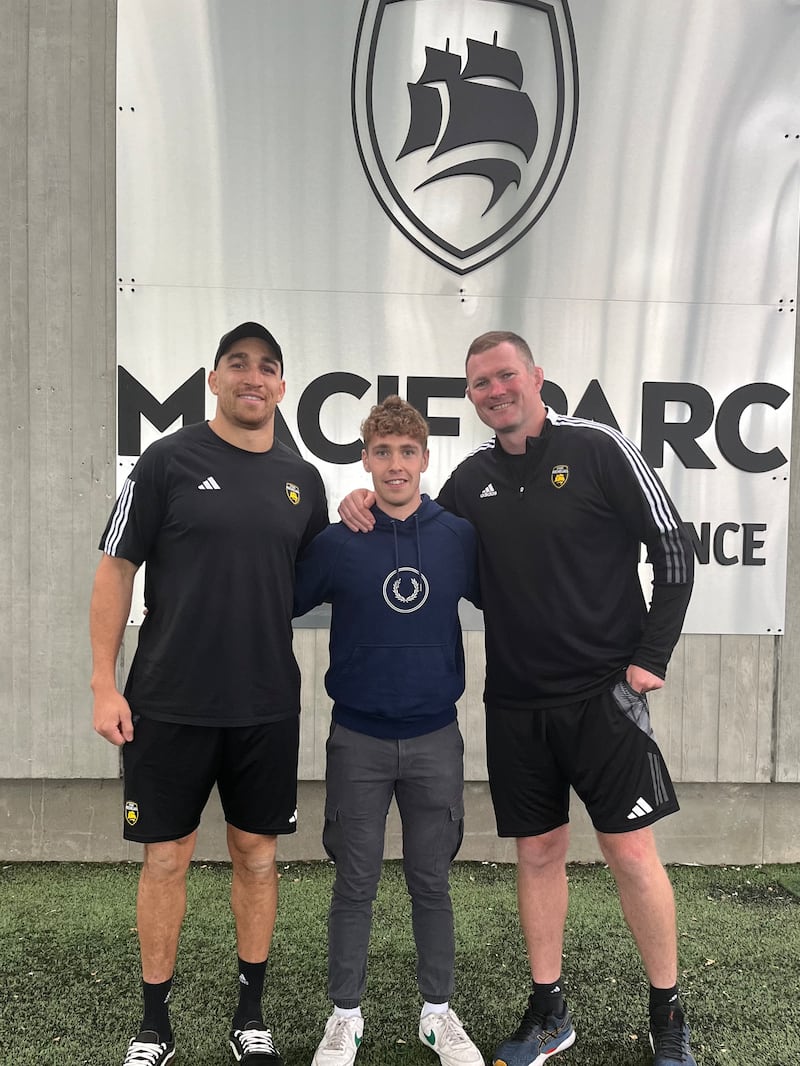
(396, 656)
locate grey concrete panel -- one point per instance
(781, 819)
(81, 821)
(57, 401)
(14, 415)
(787, 723)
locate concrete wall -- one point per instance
(728, 721)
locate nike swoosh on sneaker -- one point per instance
(431, 1037)
(358, 1040)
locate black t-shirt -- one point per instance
(219, 529)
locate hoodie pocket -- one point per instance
(398, 679)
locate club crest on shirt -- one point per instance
(292, 493)
(131, 812)
(559, 476)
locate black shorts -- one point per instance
(170, 770)
(602, 746)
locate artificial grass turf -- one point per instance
(69, 966)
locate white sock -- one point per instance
(347, 1012)
(434, 1008)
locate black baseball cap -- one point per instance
(248, 329)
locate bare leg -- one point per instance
(542, 899)
(647, 901)
(161, 904)
(254, 892)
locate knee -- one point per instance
(540, 853)
(167, 861)
(356, 883)
(631, 854)
(427, 885)
(253, 857)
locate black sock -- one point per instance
(549, 997)
(156, 1011)
(662, 1000)
(251, 985)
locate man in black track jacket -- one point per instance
(562, 506)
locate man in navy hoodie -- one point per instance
(396, 671)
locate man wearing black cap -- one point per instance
(218, 511)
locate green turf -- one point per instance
(69, 991)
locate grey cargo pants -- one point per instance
(426, 776)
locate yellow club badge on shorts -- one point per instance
(293, 493)
(131, 812)
(559, 476)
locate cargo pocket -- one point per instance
(330, 832)
(633, 705)
(456, 828)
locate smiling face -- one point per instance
(505, 388)
(248, 385)
(396, 462)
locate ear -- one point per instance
(365, 460)
(538, 377)
(425, 459)
(212, 382)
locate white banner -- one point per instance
(380, 182)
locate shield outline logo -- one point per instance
(464, 261)
(292, 493)
(131, 812)
(559, 476)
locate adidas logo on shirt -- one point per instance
(640, 808)
(490, 490)
(209, 483)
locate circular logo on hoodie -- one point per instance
(405, 590)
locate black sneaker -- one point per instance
(669, 1038)
(538, 1037)
(253, 1046)
(148, 1049)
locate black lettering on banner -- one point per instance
(728, 428)
(701, 545)
(703, 541)
(420, 390)
(750, 544)
(593, 404)
(134, 400)
(388, 385)
(554, 397)
(308, 416)
(681, 436)
(187, 403)
(283, 433)
(719, 544)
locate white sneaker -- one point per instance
(340, 1043)
(445, 1034)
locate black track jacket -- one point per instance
(560, 531)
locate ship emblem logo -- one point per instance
(292, 493)
(559, 476)
(131, 812)
(464, 118)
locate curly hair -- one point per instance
(394, 417)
